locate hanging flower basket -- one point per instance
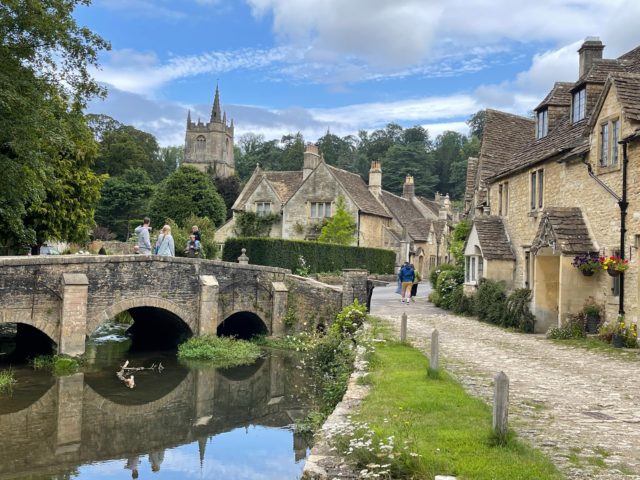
(587, 263)
(614, 265)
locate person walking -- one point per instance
(144, 242)
(406, 277)
(416, 280)
(165, 245)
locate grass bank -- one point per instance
(221, 352)
(412, 426)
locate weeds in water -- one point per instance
(59, 364)
(222, 352)
(7, 381)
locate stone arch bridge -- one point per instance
(69, 297)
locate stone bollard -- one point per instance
(243, 259)
(403, 327)
(501, 406)
(435, 351)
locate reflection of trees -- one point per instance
(84, 420)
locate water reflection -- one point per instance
(182, 423)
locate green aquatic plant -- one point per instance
(220, 351)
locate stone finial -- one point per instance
(243, 259)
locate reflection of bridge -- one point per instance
(68, 297)
(72, 424)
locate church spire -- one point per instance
(189, 118)
(215, 111)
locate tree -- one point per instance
(341, 228)
(229, 188)
(124, 198)
(403, 160)
(171, 158)
(44, 84)
(476, 123)
(187, 191)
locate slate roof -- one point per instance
(359, 192)
(628, 89)
(432, 205)
(438, 227)
(472, 173)
(494, 242)
(560, 95)
(408, 215)
(563, 228)
(504, 135)
(284, 184)
(600, 70)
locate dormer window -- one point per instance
(542, 123)
(579, 105)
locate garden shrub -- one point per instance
(517, 313)
(460, 303)
(446, 285)
(433, 276)
(349, 320)
(490, 301)
(319, 257)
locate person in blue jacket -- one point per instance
(406, 275)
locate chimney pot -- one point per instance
(590, 50)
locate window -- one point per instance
(537, 189)
(474, 267)
(320, 209)
(542, 125)
(263, 208)
(579, 104)
(615, 138)
(604, 145)
(201, 147)
(609, 148)
(503, 198)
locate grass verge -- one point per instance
(221, 352)
(7, 380)
(412, 426)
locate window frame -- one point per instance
(473, 269)
(261, 212)
(542, 123)
(608, 148)
(313, 210)
(536, 189)
(578, 105)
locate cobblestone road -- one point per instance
(582, 408)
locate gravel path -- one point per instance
(581, 408)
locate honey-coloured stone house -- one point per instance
(561, 188)
(415, 228)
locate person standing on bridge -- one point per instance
(165, 245)
(144, 242)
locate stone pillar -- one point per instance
(354, 286)
(73, 328)
(279, 307)
(208, 311)
(243, 259)
(69, 403)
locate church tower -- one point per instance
(209, 146)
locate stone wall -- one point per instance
(312, 303)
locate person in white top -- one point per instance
(165, 247)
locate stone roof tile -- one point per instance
(472, 173)
(408, 215)
(559, 95)
(359, 192)
(494, 242)
(563, 228)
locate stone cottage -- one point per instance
(416, 228)
(571, 188)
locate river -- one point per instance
(185, 421)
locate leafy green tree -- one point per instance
(229, 188)
(44, 84)
(403, 160)
(181, 233)
(185, 192)
(341, 228)
(171, 158)
(124, 198)
(476, 123)
(459, 236)
(292, 153)
(127, 147)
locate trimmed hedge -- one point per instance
(319, 257)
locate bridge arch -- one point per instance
(50, 329)
(243, 324)
(141, 302)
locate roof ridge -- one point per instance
(510, 114)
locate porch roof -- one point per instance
(494, 242)
(564, 229)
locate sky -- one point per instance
(312, 66)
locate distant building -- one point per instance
(209, 146)
(416, 228)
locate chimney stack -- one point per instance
(311, 159)
(590, 50)
(408, 189)
(375, 178)
(445, 208)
